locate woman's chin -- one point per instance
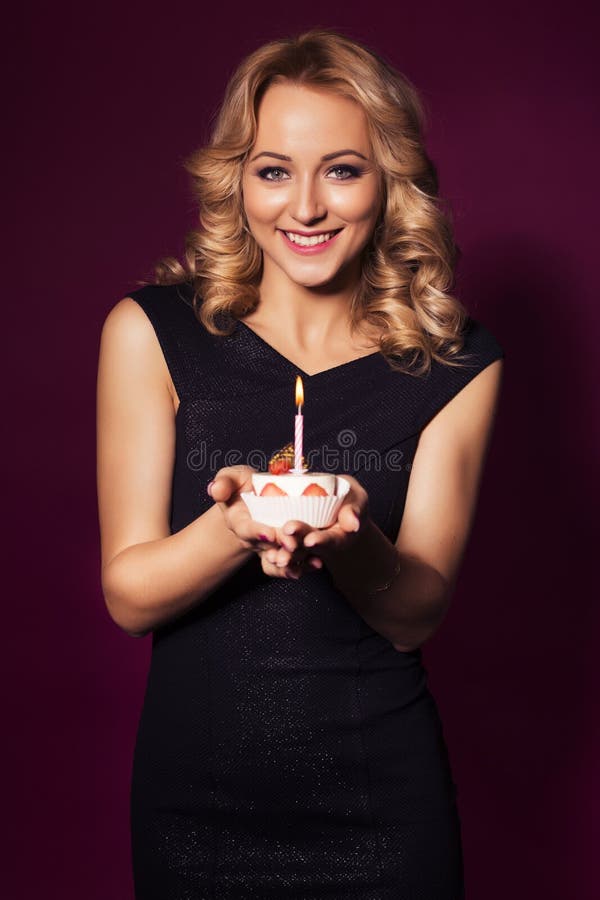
(330, 281)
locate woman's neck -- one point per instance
(309, 317)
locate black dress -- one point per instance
(285, 749)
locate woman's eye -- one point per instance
(342, 173)
(272, 173)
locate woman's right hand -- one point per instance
(225, 490)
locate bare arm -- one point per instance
(149, 576)
(438, 516)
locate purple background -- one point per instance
(106, 102)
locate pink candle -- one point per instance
(298, 426)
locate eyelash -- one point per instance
(352, 172)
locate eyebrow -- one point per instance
(325, 158)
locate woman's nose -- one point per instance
(307, 203)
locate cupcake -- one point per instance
(283, 493)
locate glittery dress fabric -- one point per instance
(285, 749)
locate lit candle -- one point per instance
(298, 427)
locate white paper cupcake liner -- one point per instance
(318, 512)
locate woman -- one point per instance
(289, 745)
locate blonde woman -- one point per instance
(289, 745)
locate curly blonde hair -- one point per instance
(408, 265)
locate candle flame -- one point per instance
(299, 391)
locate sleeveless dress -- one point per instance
(285, 749)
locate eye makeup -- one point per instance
(273, 173)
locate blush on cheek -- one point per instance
(357, 210)
(261, 205)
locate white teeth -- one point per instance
(306, 241)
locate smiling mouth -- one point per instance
(304, 240)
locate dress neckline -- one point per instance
(296, 368)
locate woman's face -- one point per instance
(310, 186)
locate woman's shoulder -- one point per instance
(480, 349)
(162, 316)
(481, 342)
(170, 308)
(160, 306)
(157, 295)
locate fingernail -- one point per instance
(357, 526)
(309, 542)
(289, 529)
(209, 486)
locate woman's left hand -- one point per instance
(298, 538)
